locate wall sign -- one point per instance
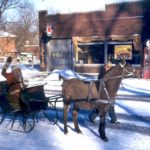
(49, 30)
(123, 51)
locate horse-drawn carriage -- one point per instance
(98, 94)
(34, 105)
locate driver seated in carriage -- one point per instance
(19, 100)
(15, 85)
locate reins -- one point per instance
(102, 82)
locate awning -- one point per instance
(136, 38)
(77, 40)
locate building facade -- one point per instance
(30, 48)
(86, 41)
(7, 44)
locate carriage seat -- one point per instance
(33, 99)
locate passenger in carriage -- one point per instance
(15, 84)
(111, 111)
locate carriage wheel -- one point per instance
(25, 125)
(18, 122)
(51, 114)
(2, 118)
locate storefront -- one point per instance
(86, 41)
(90, 53)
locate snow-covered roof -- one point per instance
(6, 34)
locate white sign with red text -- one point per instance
(49, 30)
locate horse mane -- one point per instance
(113, 71)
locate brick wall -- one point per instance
(7, 46)
(120, 18)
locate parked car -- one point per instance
(27, 58)
(3, 59)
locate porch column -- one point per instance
(105, 51)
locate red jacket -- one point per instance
(15, 84)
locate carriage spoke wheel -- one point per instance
(51, 115)
(2, 118)
(18, 122)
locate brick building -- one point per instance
(30, 48)
(7, 44)
(85, 41)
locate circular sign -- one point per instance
(148, 43)
(49, 30)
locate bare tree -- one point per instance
(26, 25)
(7, 4)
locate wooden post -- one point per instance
(43, 67)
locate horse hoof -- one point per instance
(65, 132)
(79, 132)
(105, 139)
(115, 122)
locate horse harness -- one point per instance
(106, 101)
(102, 82)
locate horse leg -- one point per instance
(112, 114)
(66, 109)
(102, 126)
(75, 119)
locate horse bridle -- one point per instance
(102, 82)
(108, 100)
(128, 72)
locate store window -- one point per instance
(134, 57)
(97, 53)
(91, 53)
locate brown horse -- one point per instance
(98, 94)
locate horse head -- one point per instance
(114, 76)
(130, 71)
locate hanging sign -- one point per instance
(123, 51)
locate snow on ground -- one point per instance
(140, 86)
(132, 133)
